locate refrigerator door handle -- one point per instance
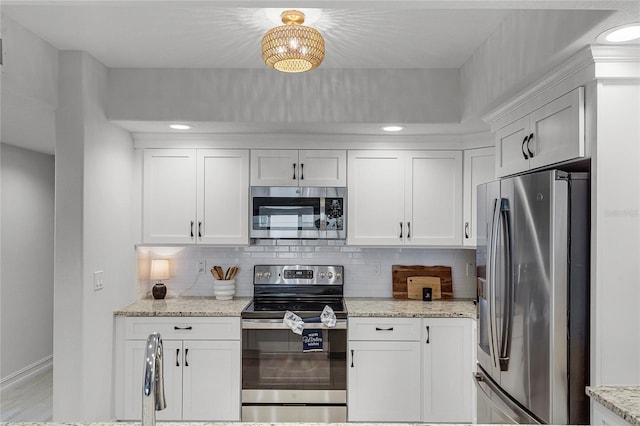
(492, 282)
(507, 319)
(502, 403)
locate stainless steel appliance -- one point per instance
(280, 381)
(533, 297)
(298, 212)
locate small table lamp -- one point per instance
(159, 271)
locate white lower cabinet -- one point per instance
(411, 370)
(447, 368)
(600, 415)
(384, 370)
(201, 375)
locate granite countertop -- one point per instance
(184, 307)
(356, 307)
(403, 308)
(622, 400)
(232, 424)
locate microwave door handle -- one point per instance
(492, 281)
(507, 319)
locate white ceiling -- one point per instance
(226, 34)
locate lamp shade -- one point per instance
(159, 269)
(293, 47)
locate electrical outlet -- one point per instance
(376, 268)
(202, 266)
(471, 268)
(98, 280)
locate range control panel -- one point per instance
(298, 274)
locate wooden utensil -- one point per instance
(416, 284)
(215, 273)
(400, 273)
(219, 271)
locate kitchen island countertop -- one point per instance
(622, 400)
(404, 308)
(184, 307)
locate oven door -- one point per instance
(276, 371)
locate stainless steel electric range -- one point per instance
(281, 381)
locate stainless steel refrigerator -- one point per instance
(533, 299)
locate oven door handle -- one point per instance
(277, 324)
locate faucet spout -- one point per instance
(153, 388)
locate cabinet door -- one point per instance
(375, 198)
(169, 196)
(384, 381)
(511, 154)
(433, 198)
(558, 130)
(479, 167)
(322, 167)
(223, 196)
(277, 167)
(447, 370)
(134, 380)
(211, 380)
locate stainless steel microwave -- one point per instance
(298, 212)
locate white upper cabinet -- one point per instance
(479, 167)
(195, 196)
(314, 167)
(550, 134)
(405, 197)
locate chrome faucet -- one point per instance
(153, 388)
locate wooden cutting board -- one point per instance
(400, 273)
(416, 284)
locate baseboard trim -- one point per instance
(28, 371)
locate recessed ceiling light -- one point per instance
(178, 126)
(622, 34)
(393, 128)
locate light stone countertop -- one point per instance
(622, 400)
(184, 307)
(404, 308)
(232, 424)
(356, 307)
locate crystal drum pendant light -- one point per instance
(293, 47)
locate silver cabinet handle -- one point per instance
(384, 329)
(466, 230)
(351, 358)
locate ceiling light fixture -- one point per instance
(293, 47)
(621, 34)
(178, 126)
(393, 128)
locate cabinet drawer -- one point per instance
(218, 328)
(407, 329)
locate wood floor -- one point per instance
(28, 401)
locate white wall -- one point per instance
(26, 283)
(94, 211)
(523, 48)
(616, 230)
(359, 263)
(264, 96)
(29, 89)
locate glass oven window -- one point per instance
(284, 213)
(273, 359)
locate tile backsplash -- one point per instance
(367, 270)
